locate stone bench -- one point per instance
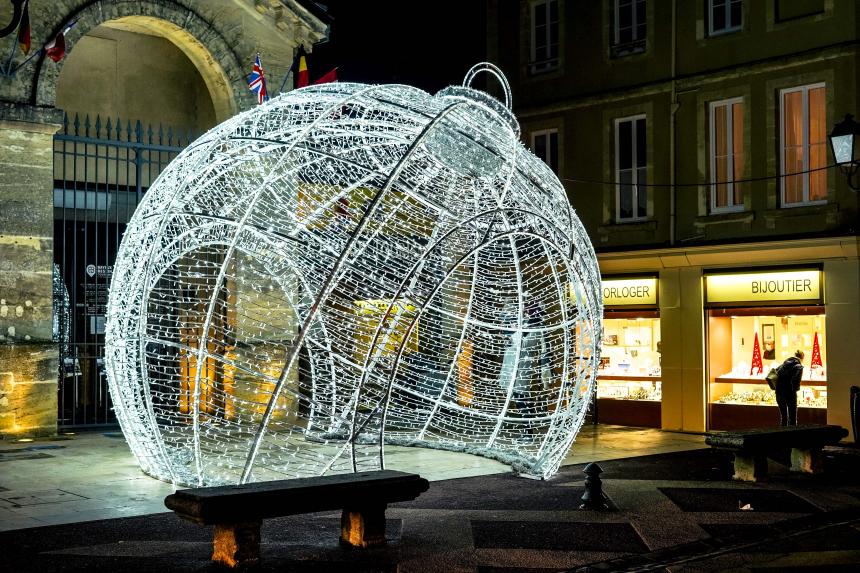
(237, 511)
(752, 447)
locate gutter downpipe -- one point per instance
(673, 108)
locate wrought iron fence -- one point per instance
(102, 168)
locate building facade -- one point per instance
(692, 139)
(81, 139)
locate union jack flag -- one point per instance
(257, 81)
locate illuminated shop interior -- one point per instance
(739, 394)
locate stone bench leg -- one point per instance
(750, 467)
(809, 461)
(363, 527)
(237, 545)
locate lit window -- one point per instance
(804, 145)
(629, 24)
(631, 171)
(544, 54)
(724, 16)
(727, 155)
(545, 146)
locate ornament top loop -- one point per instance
(493, 71)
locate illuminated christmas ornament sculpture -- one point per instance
(349, 266)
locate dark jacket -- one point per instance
(788, 375)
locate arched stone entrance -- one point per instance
(204, 46)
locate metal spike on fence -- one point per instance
(138, 131)
(169, 135)
(118, 126)
(160, 134)
(128, 131)
(98, 126)
(149, 134)
(65, 123)
(77, 124)
(87, 125)
(107, 128)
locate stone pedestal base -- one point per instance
(237, 545)
(807, 461)
(363, 527)
(750, 467)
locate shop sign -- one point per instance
(629, 292)
(765, 286)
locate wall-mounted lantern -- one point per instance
(846, 151)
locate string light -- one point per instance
(350, 266)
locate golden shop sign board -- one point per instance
(628, 292)
(764, 286)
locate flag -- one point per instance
(24, 30)
(756, 357)
(302, 72)
(327, 78)
(257, 81)
(816, 353)
(56, 48)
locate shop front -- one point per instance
(629, 388)
(755, 319)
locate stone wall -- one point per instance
(28, 357)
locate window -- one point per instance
(724, 16)
(631, 171)
(793, 9)
(544, 36)
(727, 155)
(629, 23)
(804, 145)
(545, 146)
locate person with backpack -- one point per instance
(787, 385)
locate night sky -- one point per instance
(429, 45)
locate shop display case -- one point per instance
(740, 399)
(629, 389)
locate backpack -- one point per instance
(772, 377)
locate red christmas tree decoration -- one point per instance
(816, 353)
(756, 359)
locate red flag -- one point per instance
(327, 78)
(302, 73)
(756, 357)
(24, 30)
(56, 48)
(816, 353)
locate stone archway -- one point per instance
(209, 52)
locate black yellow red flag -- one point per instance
(24, 30)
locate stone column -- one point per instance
(28, 356)
(681, 332)
(842, 303)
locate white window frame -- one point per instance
(635, 180)
(805, 99)
(548, 65)
(731, 160)
(617, 29)
(546, 133)
(728, 29)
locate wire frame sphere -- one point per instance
(349, 266)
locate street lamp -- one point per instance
(846, 151)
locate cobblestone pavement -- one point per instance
(676, 510)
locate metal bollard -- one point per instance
(593, 498)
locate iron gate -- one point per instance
(101, 171)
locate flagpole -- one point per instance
(7, 69)
(24, 63)
(286, 77)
